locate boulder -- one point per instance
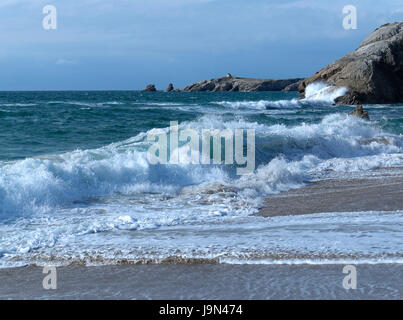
(360, 113)
(373, 73)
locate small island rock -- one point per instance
(170, 88)
(149, 88)
(360, 113)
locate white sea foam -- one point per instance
(321, 92)
(42, 184)
(309, 239)
(261, 104)
(86, 103)
(160, 104)
(315, 93)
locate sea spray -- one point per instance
(321, 92)
(317, 93)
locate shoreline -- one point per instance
(212, 282)
(382, 192)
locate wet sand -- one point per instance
(380, 281)
(379, 193)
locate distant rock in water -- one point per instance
(373, 73)
(170, 88)
(149, 88)
(230, 83)
(360, 113)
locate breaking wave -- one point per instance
(321, 92)
(317, 93)
(284, 155)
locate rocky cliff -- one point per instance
(373, 73)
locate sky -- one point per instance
(127, 44)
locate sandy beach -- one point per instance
(382, 192)
(204, 282)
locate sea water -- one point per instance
(76, 185)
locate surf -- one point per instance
(105, 202)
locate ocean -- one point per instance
(76, 186)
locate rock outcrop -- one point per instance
(360, 113)
(293, 86)
(373, 73)
(230, 83)
(170, 88)
(149, 88)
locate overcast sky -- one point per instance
(126, 44)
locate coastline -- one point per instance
(380, 192)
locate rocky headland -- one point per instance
(372, 74)
(231, 84)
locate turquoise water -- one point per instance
(36, 123)
(76, 185)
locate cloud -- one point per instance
(198, 37)
(399, 10)
(62, 61)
